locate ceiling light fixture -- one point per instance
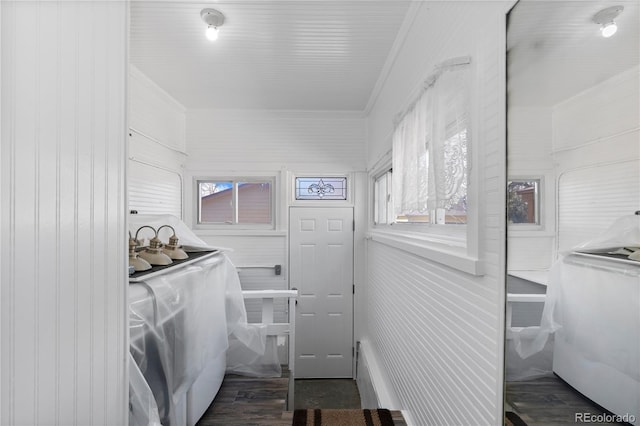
(605, 18)
(214, 20)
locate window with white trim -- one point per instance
(430, 147)
(236, 201)
(523, 201)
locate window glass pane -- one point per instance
(321, 188)
(523, 201)
(216, 202)
(379, 215)
(382, 208)
(254, 202)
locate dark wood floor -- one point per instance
(250, 401)
(548, 401)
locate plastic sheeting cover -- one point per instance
(625, 232)
(178, 329)
(184, 319)
(591, 275)
(143, 409)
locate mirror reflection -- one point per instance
(573, 121)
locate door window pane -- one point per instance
(321, 188)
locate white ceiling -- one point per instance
(287, 55)
(329, 55)
(555, 50)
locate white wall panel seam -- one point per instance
(76, 210)
(36, 222)
(12, 215)
(3, 231)
(122, 311)
(105, 237)
(92, 186)
(58, 217)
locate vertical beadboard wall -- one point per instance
(64, 331)
(437, 332)
(156, 148)
(598, 157)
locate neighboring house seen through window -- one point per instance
(523, 201)
(235, 201)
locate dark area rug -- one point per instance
(512, 419)
(327, 393)
(317, 417)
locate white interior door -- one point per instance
(321, 268)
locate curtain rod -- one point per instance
(430, 81)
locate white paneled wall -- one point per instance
(156, 148)
(591, 199)
(152, 111)
(269, 140)
(437, 331)
(154, 190)
(64, 335)
(605, 110)
(596, 148)
(530, 250)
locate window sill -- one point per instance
(449, 253)
(241, 232)
(528, 232)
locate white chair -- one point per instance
(513, 298)
(279, 329)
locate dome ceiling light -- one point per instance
(214, 20)
(606, 19)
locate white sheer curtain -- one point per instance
(411, 158)
(451, 124)
(430, 145)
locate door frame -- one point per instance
(323, 205)
(358, 187)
